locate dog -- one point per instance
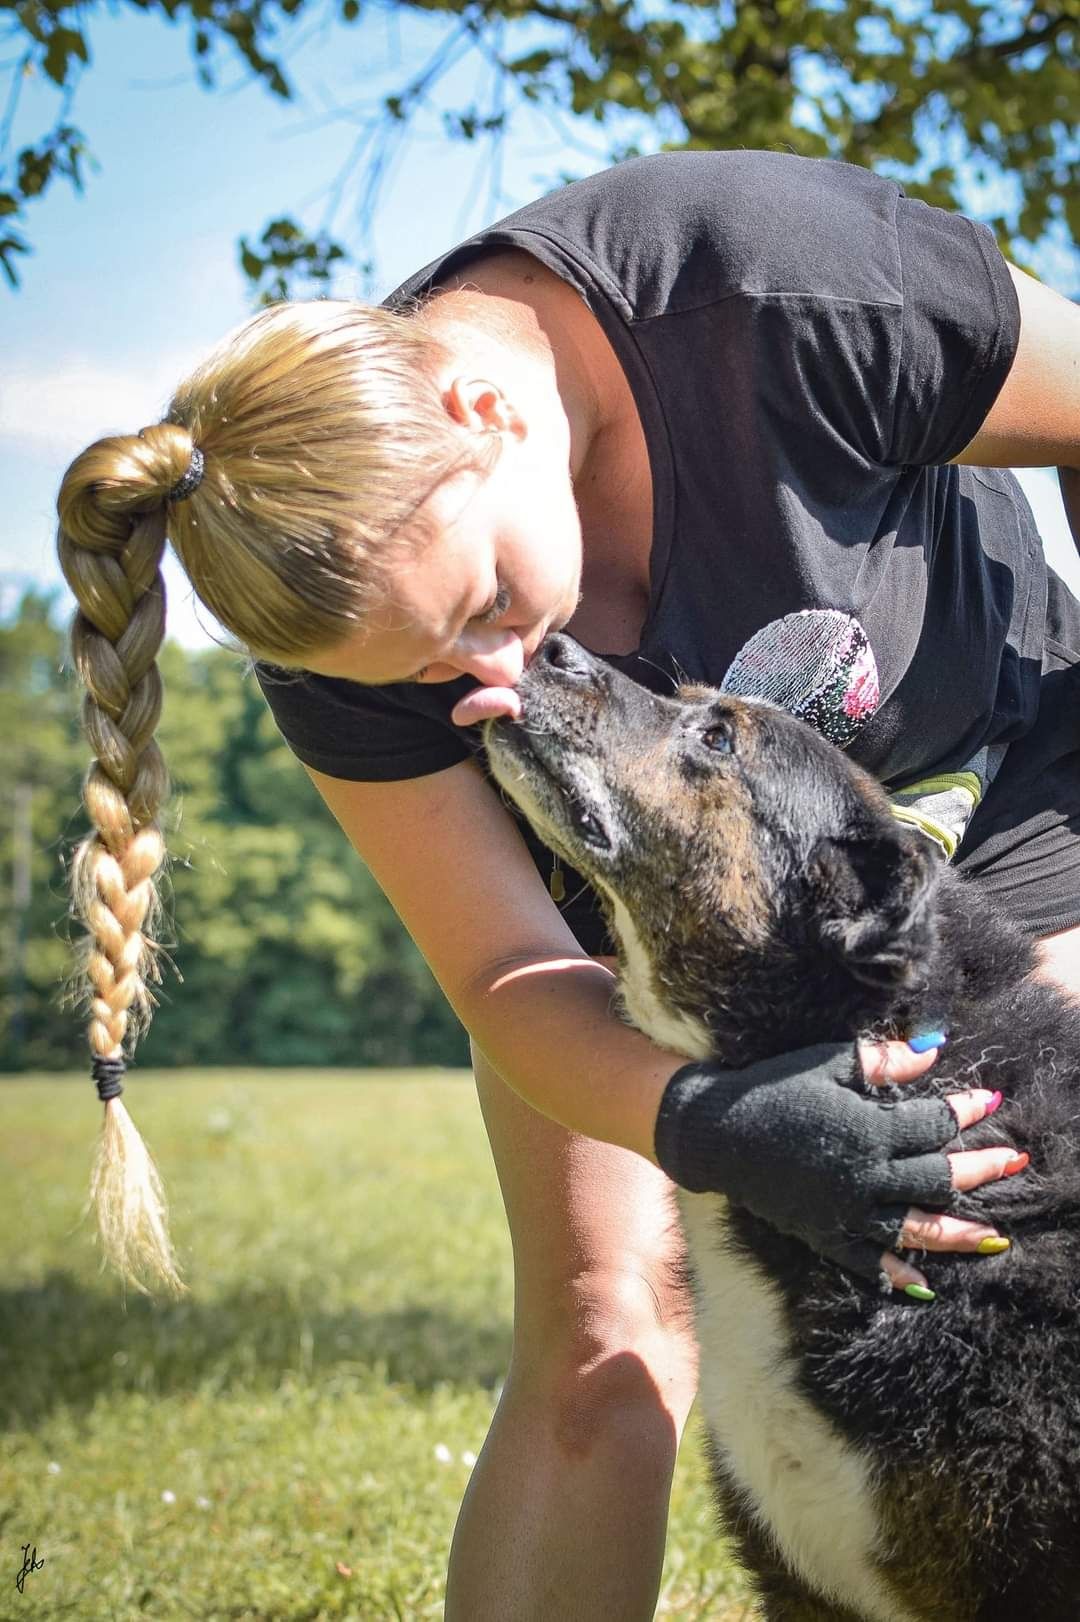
(875, 1460)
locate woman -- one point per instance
(664, 408)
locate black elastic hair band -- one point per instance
(190, 480)
(108, 1073)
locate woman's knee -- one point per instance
(602, 1317)
(612, 1354)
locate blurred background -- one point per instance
(292, 1439)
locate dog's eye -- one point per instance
(718, 738)
(589, 827)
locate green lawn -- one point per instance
(290, 1441)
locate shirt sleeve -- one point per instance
(367, 734)
(877, 334)
(961, 327)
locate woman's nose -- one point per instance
(495, 657)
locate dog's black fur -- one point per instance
(794, 909)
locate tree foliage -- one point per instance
(284, 950)
(945, 96)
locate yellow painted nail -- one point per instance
(993, 1246)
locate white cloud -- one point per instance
(47, 416)
(63, 410)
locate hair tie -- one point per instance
(108, 1073)
(191, 479)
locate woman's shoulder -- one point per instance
(666, 232)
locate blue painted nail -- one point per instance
(923, 1041)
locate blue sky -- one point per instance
(132, 282)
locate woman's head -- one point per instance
(504, 570)
(499, 562)
(329, 434)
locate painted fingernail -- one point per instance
(993, 1246)
(1017, 1163)
(994, 1104)
(923, 1041)
(919, 1292)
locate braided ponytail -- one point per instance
(112, 535)
(324, 429)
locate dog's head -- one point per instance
(746, 865)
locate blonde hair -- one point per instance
(323, 431)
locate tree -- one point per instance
(285, 951)
(946, 97)
(39, 799)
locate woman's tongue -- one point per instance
(486, 704)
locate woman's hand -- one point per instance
(885, 1063)
(793, 1141)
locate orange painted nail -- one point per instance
(1018, 1163)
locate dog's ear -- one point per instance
(871, 894)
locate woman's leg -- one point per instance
(566, 1511)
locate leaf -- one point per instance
(532, 63)
(34, 171)
(292, 260)
(9, 247)
(250, 262)
(64, 43)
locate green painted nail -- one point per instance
(992, 1246)
(919, 1292)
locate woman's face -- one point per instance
(503, 569)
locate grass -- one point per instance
(292, 1440)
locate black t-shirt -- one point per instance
(806, 348)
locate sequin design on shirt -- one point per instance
(817, 664)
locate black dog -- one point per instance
(875, 1459)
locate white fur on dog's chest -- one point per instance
(807, 1487)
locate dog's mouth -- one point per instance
(555, 785)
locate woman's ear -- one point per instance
(872, 895)
(483, 406)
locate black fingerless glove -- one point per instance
(791, 1140)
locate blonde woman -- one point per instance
(665, 408)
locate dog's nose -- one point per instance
(561, 653)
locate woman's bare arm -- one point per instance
(1035, 420)
(449, 858)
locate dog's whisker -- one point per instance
(676, 681)
(571, 899)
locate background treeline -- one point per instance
(287, 952)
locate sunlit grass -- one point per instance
(291, 1440)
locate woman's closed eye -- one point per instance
(495, 610)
